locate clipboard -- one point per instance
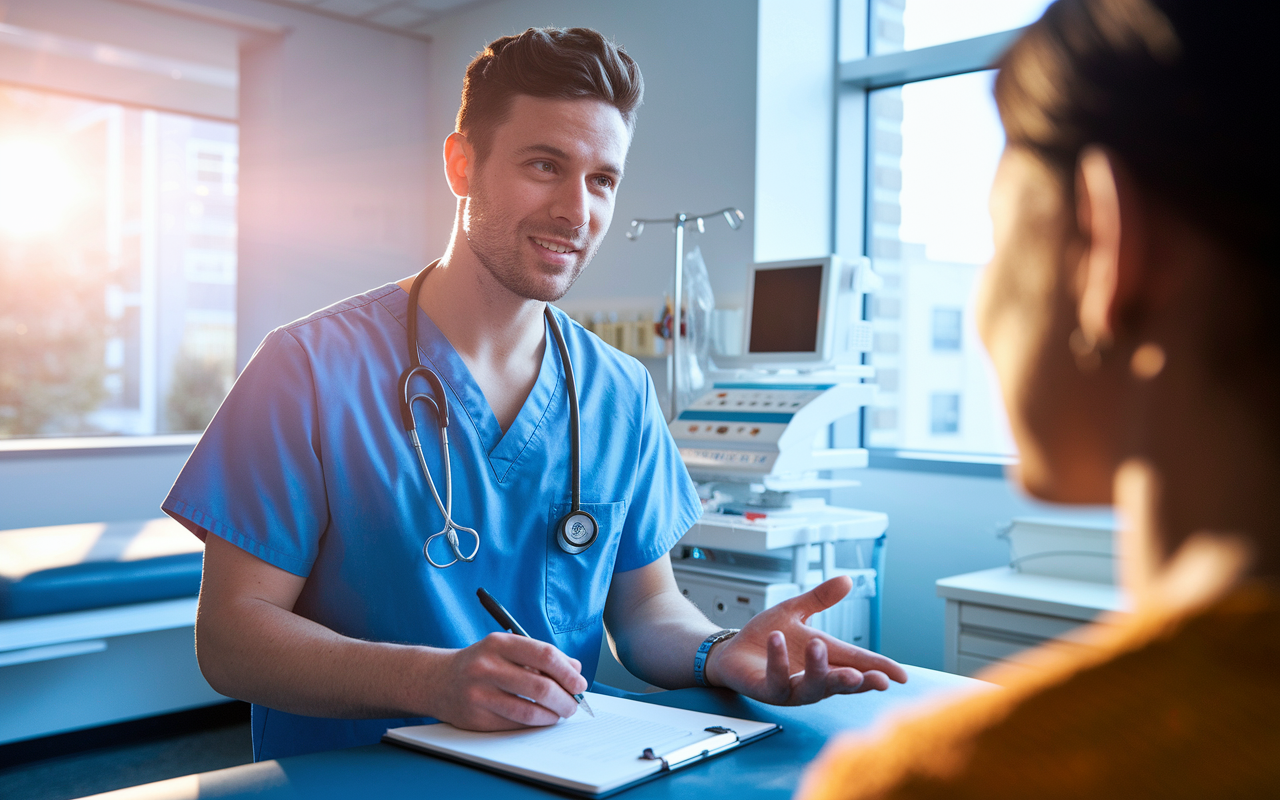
(628, 743)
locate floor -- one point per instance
(118, 756)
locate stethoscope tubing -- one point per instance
(575, 428)
(440, 405)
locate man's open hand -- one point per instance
(779, 659)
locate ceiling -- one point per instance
(410, 16)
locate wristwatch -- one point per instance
(700, 658)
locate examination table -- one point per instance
(96, 625)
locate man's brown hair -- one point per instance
(560, 63)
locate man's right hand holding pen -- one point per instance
(483, 687)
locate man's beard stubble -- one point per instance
(485, 232)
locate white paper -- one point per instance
(592, 755)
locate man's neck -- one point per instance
(499, 336)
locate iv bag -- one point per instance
(695, 317)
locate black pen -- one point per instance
(507, 622)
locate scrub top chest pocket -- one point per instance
(577, 585)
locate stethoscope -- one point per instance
(575, 532)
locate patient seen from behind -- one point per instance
(1130, 314)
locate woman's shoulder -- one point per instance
(1181, 706)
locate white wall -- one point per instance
(127, 53)
(104, 485)
(335, 163)
(795, 129)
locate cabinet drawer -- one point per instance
(970, 666)
(1035, 627)
(994, 648)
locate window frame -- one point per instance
(42, 445)
(856, 78)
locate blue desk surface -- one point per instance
(769, 768)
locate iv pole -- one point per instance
(734, 218)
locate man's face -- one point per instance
(539, 202)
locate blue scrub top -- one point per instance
(307, 466)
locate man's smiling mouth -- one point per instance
(552, 246)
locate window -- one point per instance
(917, 114)
(117, 267)
(913, 24)
(946, 329)
(944, 413)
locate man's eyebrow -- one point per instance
(555, 152)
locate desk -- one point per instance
(769, 768)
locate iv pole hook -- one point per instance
(734, 218)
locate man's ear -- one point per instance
(459, 156)
(1110, 216)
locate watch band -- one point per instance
(700, 658)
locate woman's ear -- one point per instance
(459, 156)
(1110, 216)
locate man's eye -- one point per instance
(544, 166)
(604, 182)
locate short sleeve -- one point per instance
(256, 478)
(664, 504)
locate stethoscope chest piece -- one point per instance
(576, 532)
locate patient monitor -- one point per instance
(758, 441)
(804, 314)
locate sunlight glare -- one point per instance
(37, 188)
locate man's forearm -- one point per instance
(258, 652)
(658, 641)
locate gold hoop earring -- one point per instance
(1088, 350)
(1147, 362)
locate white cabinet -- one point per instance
(996, 614)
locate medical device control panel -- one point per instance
(743, 431)
(757, 440)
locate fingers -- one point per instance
(820, 597)
(843, 654)
(512, 681)
(542, 657)
(504, 711)
(874, 681)
(813, 685)
(820, 679)
(777, 667)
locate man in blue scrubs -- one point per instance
(318, 605)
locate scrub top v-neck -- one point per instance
(307, 466)
(503, 448)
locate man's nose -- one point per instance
(572, 204)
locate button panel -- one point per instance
(787, 401)
(728, 431)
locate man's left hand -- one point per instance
(779, 659)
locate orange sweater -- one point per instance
(1160, 706)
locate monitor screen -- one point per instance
(784, 310)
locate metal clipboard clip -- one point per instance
(724, 739)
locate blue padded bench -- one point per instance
(97, 625)
(77, 567)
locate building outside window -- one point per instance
(947, 331)
(944, 413)
(117, 267)
(916, 103)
